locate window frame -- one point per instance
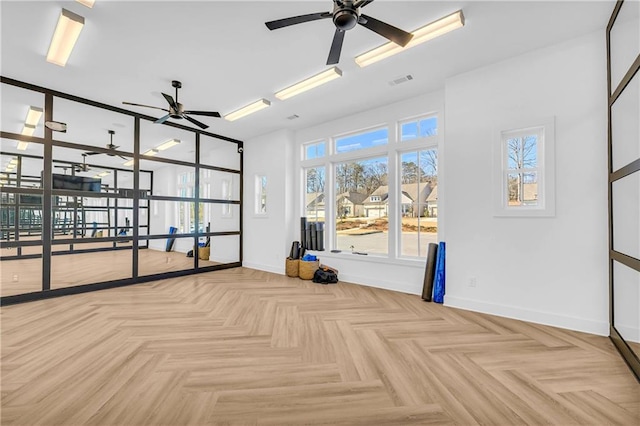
(545, 168)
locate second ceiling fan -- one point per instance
(346, 15)
(176, 109)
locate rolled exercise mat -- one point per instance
(170, 241)
(320, 236)
(312, 234)
(438, 286)
(307, 237)
(303, 232)
(429, 272)
(295, 250)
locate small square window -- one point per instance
(421, 128)
(314, 150)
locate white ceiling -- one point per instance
(226, 57)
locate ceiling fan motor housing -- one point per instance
(345, 17)
(176, 114)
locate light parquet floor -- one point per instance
(247, 347)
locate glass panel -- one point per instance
(14, 108)
(625, 125)
(156, 259)
(157, 137)
(422, 128)
(626, 210)
(170, 179)
(69, 270)
(418, 201)
(28, 227)
(409, 131)
(220, 217)
(168, 214)
(362, 140)
(224, 249)
(522, 189)
(219, 153)
(314, 150)
(14, 166)
(219, 185)
(21, 275)
(362, 205)
(522, 152)
(625, 41)
(315, 179)
(89, 125)
(626, 304)
(429, 127)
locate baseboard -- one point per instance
(544, 318)
(266, 268)
(383, 284)
(628, 333)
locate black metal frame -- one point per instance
(47, 193)
(625, 350)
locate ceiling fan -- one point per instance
(346, 14)
(110, 146)
(176, 109)
(77, 167)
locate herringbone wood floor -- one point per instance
(248, 347)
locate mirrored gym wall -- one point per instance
(114, 200)
(623, 79)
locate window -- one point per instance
(367, 180)
(361, 205)
(418, 204)
(525, 184)
(314, 150)
(421, 128)
(186, 209)
(226, 195)
(362, 140)
(261, 195)
(314, 202)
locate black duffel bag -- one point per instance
(325, 276)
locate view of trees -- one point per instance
(427, 171)
(522, 154)
(363, 176)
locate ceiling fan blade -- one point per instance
(91, 153)
(124, 158)
(280, 23)
(205, 113)
(162, 119)
(196, 122)
(169, 99)
(394, 34)
(362, 3)
(336, 47)
(146, 106)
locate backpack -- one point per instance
(323, 276)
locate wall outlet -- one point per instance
(473, 282)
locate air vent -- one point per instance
(401, 79)
(293, 117)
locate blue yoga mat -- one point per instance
(438, 287)
(170, 241)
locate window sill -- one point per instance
(345, 255)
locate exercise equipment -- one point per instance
(429, 273)
(171, 241)
(438, 286)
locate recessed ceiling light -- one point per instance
(309, 83)
(168, 144)
(33, 116)
(65, 37)
(88, 3)
(56, 126)
(421, 35)
(246, 110)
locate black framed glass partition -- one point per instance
(623, 80)
(114, 200)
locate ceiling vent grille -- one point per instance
(400, 80)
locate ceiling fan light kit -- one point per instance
(309, 83)
(421, 35)
(65, 37)
(249, 109)
(56, 126)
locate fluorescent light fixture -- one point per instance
(10, 167)
(33, 116)
(128, 163)
(22, 145)
(426, 33)
(28, 130)
(102, 174)
(151, 152)
(168, 144)
(88, 3)
(309, 83)
(13, 161)
(64, 37)
(249, 109)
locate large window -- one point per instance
(362, 205)
(418, 204)
(377, 189)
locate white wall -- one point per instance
(267, 239)
(545, 270)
